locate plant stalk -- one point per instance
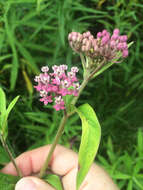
(96, 70)
(52, 148)
(19, 173)
(87, 76)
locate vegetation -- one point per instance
(33, 33)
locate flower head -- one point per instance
(104, 46)
(57, 84)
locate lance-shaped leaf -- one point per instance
(90, 140)
(4, 123)
(54, 180)
(3, 156)
(7, 182)
(2, 106)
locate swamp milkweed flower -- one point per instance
(57, 84)
(104, 47)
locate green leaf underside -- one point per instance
(54, 180)
(7, 182)
(2, 106)
(90, 140)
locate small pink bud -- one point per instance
(84, 41)
(83, 48)
(74, 33)
(71, 43)
(79, 38)
(91, 37)
(88, 45)
(120, 46)
(123, 38)
(116, 31)
(104, 40)
(125, 46)
(95, 47)
(114, 37)
(94, 42)
(113, 44)
(70, 37)
(74, 38)
(99, 35)
(86, 34)
(104, 32)
(125, 53)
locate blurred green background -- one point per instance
(34, 33)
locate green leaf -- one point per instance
(11, 41)
(2, 106)
(54, 180)
(3, 156)
(2, 101)
(90, 140)
(140, 142)
(5, 57)
(25, 53)
(4, 124)
(130, 185)
(7, 182)
(122, 176)
(39, 5)
(138, 183)
(103, 69)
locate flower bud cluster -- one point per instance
(54, 86)
(104, 45)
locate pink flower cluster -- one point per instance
(54, 86)
(103, 46)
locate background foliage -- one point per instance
(34, 33)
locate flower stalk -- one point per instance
(95, 53)
(53, 146)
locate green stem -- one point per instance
(97, 69)
(19, 173)
(83, 85)
(57, 137)
(82, 61)
(87, 77)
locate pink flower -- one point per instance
(46, 99)
(105, 46)
(57, 84)
(59, 103)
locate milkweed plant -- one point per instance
(60, 87)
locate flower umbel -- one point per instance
(54, 86)
(104, 47)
